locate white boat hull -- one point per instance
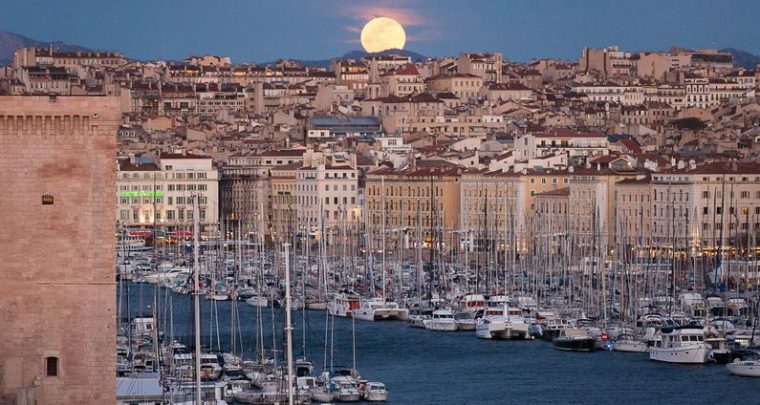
(376, 397)
(441, 326)
(258, 302)
(501, 330)
(744, 368)
(380, 314)
(319, 306)
(629, 346)
(692, 354)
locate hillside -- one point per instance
(10, 41)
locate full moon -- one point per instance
(382, 33)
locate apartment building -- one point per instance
(416, 198)
(161, 192)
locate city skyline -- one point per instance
(329, 29)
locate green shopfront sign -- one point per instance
(142, 193)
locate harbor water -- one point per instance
(419, 366)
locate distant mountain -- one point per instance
(357, 54)
(9, 41)
(743, 59)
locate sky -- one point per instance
(265, 30)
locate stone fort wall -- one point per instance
(57, 289)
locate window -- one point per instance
(51, 366)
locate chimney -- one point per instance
(681, 164)
(692, 164)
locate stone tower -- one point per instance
(57, 249)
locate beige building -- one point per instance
(327, 191)
(706, 207)
(403, 81)
(551, 221)
(58, 249)
(419, 197)
(284, 197)
(162, 193)
(507, 200)
(561, 141)
(593, 218)
(485, 65)
(466, 86)
(633, 212)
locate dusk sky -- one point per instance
(253, 30)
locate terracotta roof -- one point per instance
(182, 156)
(720, 168)
(568, 133)
(125, 165)
(561, 192)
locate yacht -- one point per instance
(552, 328)
(574, 340)
(377, 309)
(210, 367)
(347, 389)
(375, 392)
(442, 320)
(170, 275)
(682, 344)
(418, 316)
(473, 302)
(465, 321)
(343, 303)
(507, 325)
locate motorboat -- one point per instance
(377, 309)
(257, 301)
(719, 351)
(418, 316)
(553, 328)
(375, 392)
(347, 389)
(442, 320)
(343, 303)
(464, 321)
(682, 344)
(744, 368)
(575, 340)
(211, 369)
(629, 344)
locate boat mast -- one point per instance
(196, 302)
(432, 238)
(288, 324)
(382, 181)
